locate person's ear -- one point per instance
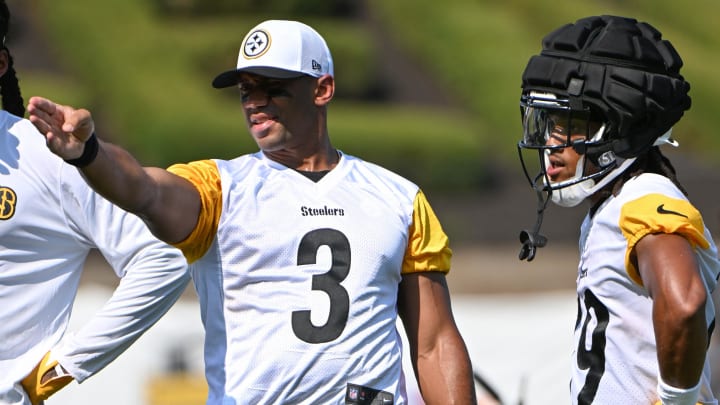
(4, 61)
(325, 90)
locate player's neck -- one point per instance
(322, 159)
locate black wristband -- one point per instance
(89, 153)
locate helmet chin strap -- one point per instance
(531, 240)
(579, 192)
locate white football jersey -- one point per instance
(299, 288)
(615, 360)
(49, 222)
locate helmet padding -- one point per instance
(619, 69)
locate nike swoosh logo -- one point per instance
(661, 210)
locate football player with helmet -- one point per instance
(597, 103)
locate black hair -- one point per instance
(652, 161)
(12, 100)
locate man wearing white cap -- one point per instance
(303, 256)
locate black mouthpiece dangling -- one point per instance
(531, 240)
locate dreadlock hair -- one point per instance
(652, 161)
(10, 95)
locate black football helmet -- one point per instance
(614, 78)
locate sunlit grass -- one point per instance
(147, 77)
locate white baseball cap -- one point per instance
(280, 49)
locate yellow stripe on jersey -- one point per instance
(206, 178)
(657, 213)
(428, 248)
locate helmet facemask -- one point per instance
(550, 126)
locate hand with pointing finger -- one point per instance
(66, 129)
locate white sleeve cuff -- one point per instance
(670, 395)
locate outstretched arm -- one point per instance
(438, 352)
(168, 204)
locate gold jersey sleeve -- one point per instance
(428, 247)
(657, 213)
(206, 178)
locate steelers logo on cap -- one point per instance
(256, 44)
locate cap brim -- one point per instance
(225, 79)
(231, 77)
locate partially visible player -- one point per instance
(303, 256)
(597, 103)
(49, 222)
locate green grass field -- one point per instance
(146, 76)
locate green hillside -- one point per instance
(145, 72)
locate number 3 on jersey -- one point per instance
(328, 282)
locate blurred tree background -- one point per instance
(428, 89)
